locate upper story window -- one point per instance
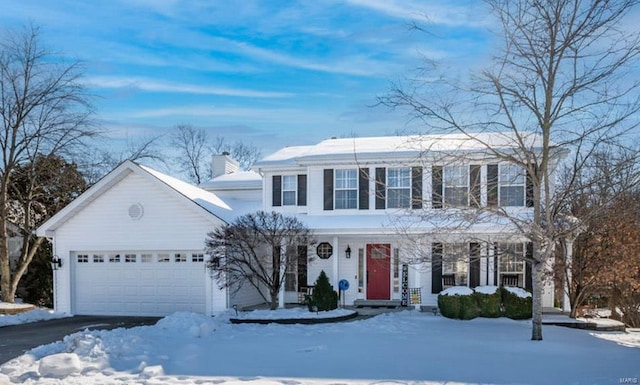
(512, 182)
(289, 190)
(456, 185)
(346, 188)
(398, 187)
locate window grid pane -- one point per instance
(289, 188)
(456, 261)
(456, 185)
(346, 189)
(398, 187)
(512, 185)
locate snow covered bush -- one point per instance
(489, 301)
(458, 302)
(324, 298)
(516, 302)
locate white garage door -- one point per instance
(138, 283)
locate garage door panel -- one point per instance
(150, 288)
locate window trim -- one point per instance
(502, 184)
(445, 184)
(404, 191)
(294, 191)
(354, 190)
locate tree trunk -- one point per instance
(274, 300)
(536, 319)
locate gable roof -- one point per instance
(209, 204)
(397, 147)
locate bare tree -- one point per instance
(565, 74)
(257, 249)
(193, 154)
(96, 162)
(44, 110)
(246, 154)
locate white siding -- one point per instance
(246, 296)
(168, 223)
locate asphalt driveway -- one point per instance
(15, 340)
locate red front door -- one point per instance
(379, 271)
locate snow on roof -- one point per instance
(399, 146)
(405, 223)
(207, 200)
(235, 180)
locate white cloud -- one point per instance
(171, 87)
(446, 14)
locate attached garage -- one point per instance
(133, 244)
(138, 283)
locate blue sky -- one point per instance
(270, 73)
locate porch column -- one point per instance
(283, 267)
(566, 303)
(336, 255)
(416, 281)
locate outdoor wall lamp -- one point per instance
(347, 252)
(56, 262)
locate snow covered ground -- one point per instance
(38, 314)
(403, 347)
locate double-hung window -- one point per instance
(346, 189)
(456, 261)
(398, 187)
(456, 186)
(289, 190)
(511, 264)
(512, 185)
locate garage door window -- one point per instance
(114, 258)
(181, 257)
(197, 257)
(163, 258)
(98, 258)
(146, 258)
(83, 258)
(130, 258)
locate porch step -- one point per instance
(377, 303)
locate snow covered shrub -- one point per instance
(517, 303)
(489, 301)
(458, 302)
(324, 298)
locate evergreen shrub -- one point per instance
(489, 305)
(324, 298)
(515, 306)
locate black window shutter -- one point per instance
(529, 189)
(416, 187)
(363, 189)
(302, 266)
(328, 189)
(436, 186)
(474, 174)
(381, 189)
(302, 190)
(436, 268)
(528, 283)
(277, 190)
(474, 264)
(492, 185)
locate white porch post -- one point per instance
(336, 256)
(416, 281)
(566, 303)
(283, 267)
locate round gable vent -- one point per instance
(136, 211)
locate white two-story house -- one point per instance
(394, 215)
(397, 218)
